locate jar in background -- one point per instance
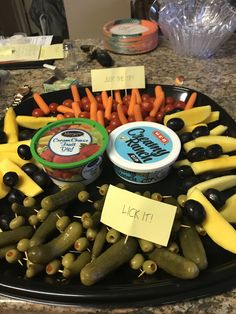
(70, 55)
(140, 9)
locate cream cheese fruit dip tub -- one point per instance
(71, 150)
(143, 152)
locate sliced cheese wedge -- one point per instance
(215, 225)
(26, 185)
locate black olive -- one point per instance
(25, 134)
(3, 137)
(197, 154)
(175, 124)
(30, 168)
(42, 179)
(185, 171)
(185, 137)
(215, 197)
(214, 151)
(4, 222)
(208, 175)
(10, 178)
(201, 130)
(24, 152)
(15, 196)
(188, 182)
(195, 211)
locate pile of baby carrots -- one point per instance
(114, 110)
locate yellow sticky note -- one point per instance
(118, 78)
(51, 52)
(138, 216)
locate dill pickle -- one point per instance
(47, 227)
(44, 253)
(22, 210)
(75, 268)
(174, 264)
(192, 246)
(98, 204)
(99, 242)
(13, 236)
(111, 259)
(33, 269)
(63, 197)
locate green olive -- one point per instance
(173, 247)
(98, 204)
(42, 214)
(146, 246)
(149, 267)
(113, 236)
(62, 223)
(156, 196)
(53, 267)
(103, 189)
(181, 199)
(83, 196)
(29, 201)
(81, 244)
(120, 185)
(67, 260)
(85, 216)
(147, 194)
(13, 255)
(137, 261)
(33, 220)
(23, 245)
(87, 222)
(91, 234)
(200, 230)
(17, 222)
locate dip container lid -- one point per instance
(143, 146)
(74, 142)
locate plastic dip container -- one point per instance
(143, 152)
(71, 150)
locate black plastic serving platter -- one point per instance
(123, 287)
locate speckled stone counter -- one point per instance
(215, 77)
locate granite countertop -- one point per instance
(215, 77)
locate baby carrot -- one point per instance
(76, 108)
(93, 111)
(41, 103)
(190, 103)
(137, 113)
(117, 96)
(104, 98)
(64, 109)
(100, 117)
(121, 114)
(75, 92)
(132, 103)
(90, 95)
(60, 116)
(159, 99)
(138, 96)
(108, 108)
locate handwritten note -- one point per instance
(20, 52)
(51, 52)
(118, 78)
(138, 216)
(25, 52)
